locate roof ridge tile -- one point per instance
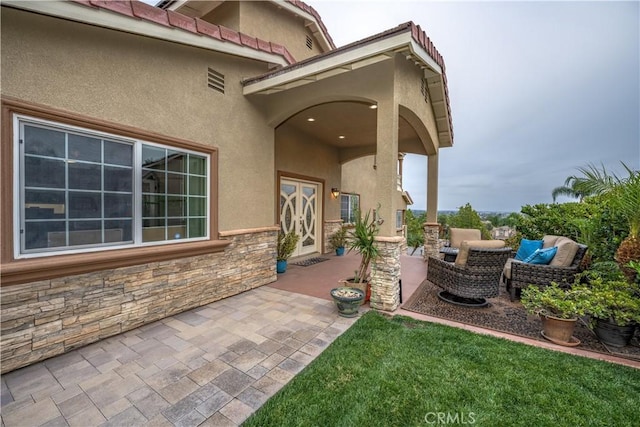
(150, 13)
(181, 21)
(229, 34)
(123, 7)
(207, 28)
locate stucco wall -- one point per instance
(151, 85)
(266, 21)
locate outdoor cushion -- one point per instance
(527, 247)
(507, 267)
(549, 241)
(458, 235)
(567, 250)
(542, 256)
(463, 254)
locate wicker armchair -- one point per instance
(469, 284)
(523, 274)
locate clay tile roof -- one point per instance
(303, 6)
(138, 10)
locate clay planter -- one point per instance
(559, 331)
(348, 300)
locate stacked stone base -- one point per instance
(46, 318)
(385, 274)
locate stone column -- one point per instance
(431, 240)
(385, 274)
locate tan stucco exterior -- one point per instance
(142, 73)
(156, 86)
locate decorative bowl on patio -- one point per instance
(348, 300)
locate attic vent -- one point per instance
(309, 42)
(424, 90)
(215, 80)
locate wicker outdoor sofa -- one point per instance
(519, 275)
(474, 276)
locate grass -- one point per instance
(403, 372)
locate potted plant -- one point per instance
(338, 240)
(348, 300)
(614, 307)
(362, 240)
(287, 243)
(558, 308)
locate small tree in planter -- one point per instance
(287, 243)
(558, 308)
(362, 240)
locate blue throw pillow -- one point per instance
(542, 256)
(527, 248)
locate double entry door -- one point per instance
(299, 207)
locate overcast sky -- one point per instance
(537, 89)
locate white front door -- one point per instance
(299, 211)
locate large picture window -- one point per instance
(82, 189)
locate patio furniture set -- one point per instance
(470, 270)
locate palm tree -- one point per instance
(593, 181)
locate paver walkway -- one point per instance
(211, 366)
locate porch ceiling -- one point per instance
(355, 121)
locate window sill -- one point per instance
(35, 269)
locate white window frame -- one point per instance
(19, 178)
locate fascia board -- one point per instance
(340, 60)
(104, 18)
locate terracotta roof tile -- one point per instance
(169, 18)
(315, 14)
(123, 7)
(211, 30)
(229, 35)
(249, 41)
(179, 20)
(149, 13)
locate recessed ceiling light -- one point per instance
(311, 119)
(341, 137)
(373, 106)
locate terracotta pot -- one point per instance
(559, 331)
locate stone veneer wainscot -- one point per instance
(49, 317)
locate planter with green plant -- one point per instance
(362, 240)
(338, 240)
(287, 243)
(558, 308)
(613, 305)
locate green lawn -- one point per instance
(402, 372)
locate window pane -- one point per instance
(118, 231)
(85, 232)
(118, 205)
(197, 165)
(197, 186)
(47, 173)
(153, 158)
(153, 230)
(152, 182)
(85, 176)
(197, 206)
(176, 206)
(118, 179)
(85, 205)
(197, 227)
(85, 148)
(44, 142)
(116, 153)
(44, 204)
(153, 206)
(176, 184)
(177, 228)
(176, 161)
(46, 234)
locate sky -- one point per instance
(537, 89)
